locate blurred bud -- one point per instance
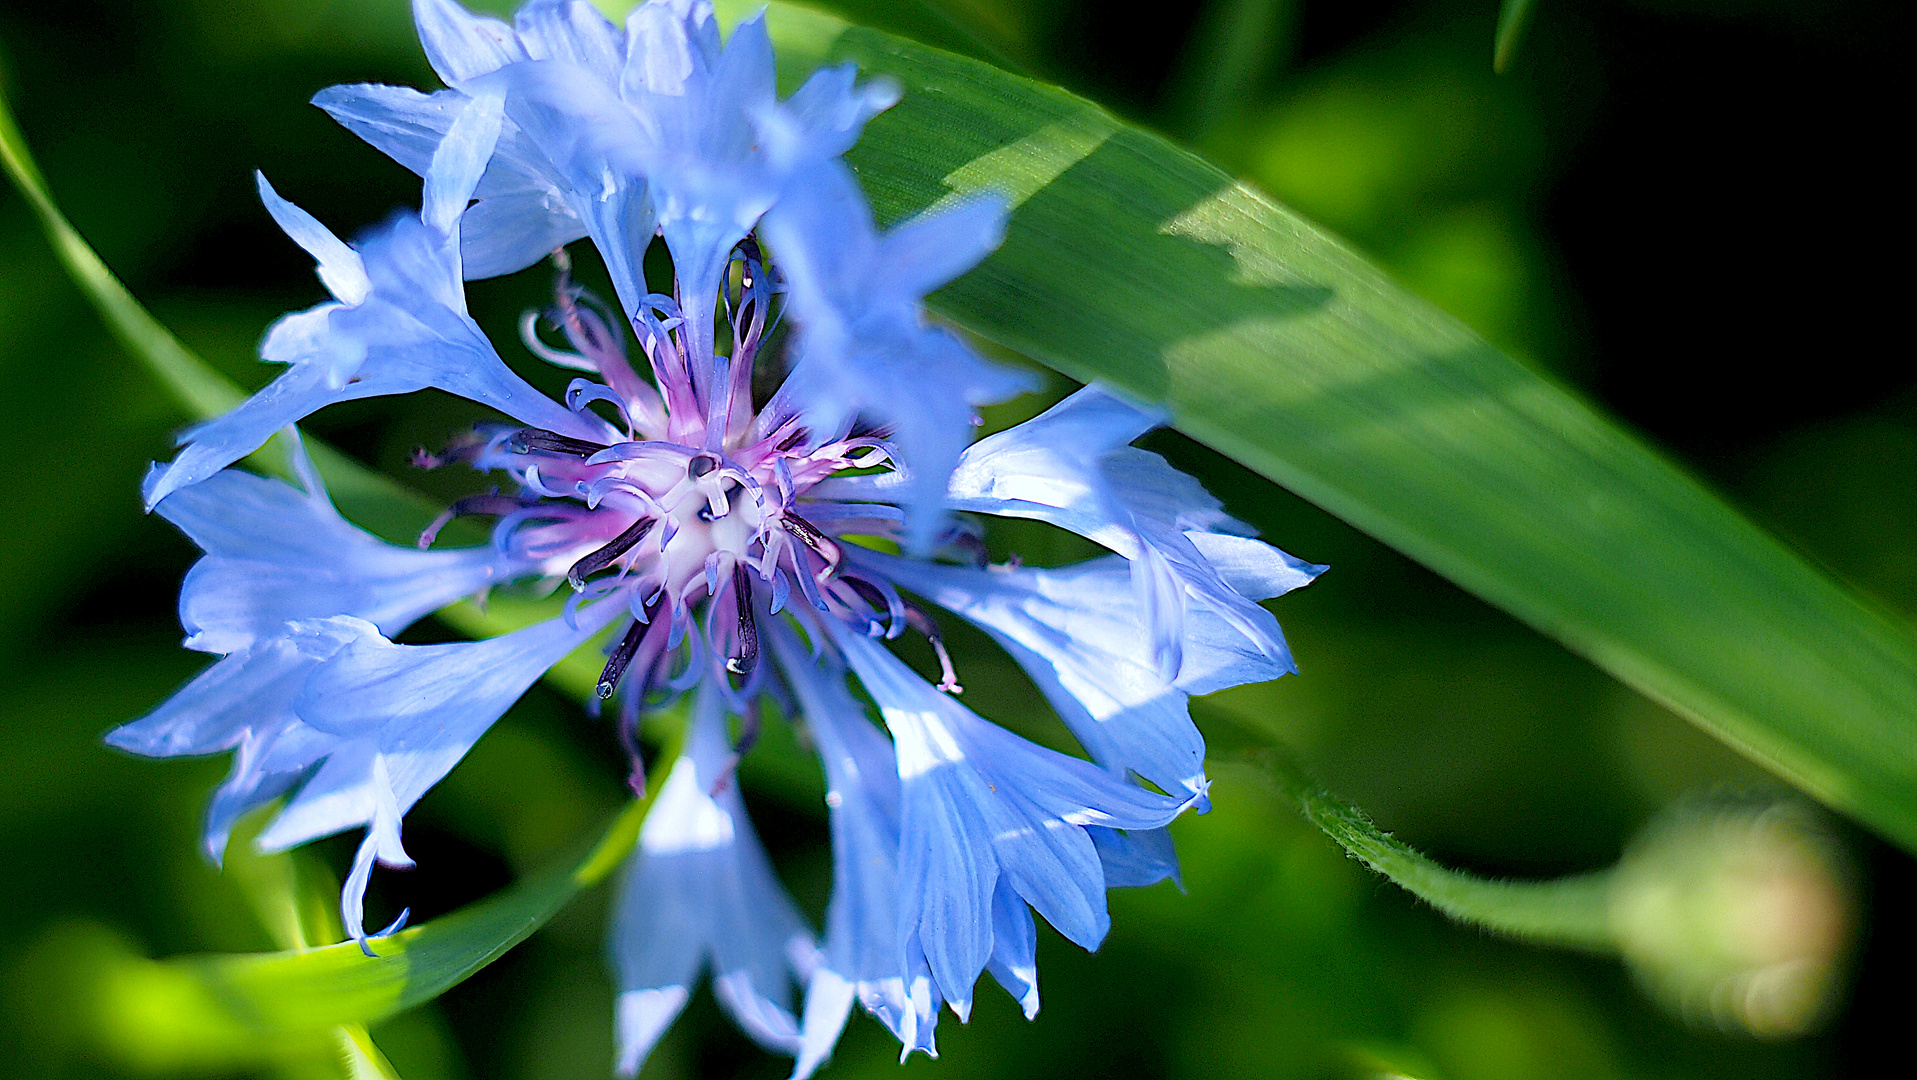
(1738, 914)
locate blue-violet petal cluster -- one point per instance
(748, 551)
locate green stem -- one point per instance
(1568, 911)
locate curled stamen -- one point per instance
(529, 333)
(490, 505)
(528, 440)
(584, 392)
(743, 661)
(603, 557)
(917, 619)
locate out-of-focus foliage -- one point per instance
(1471, 737)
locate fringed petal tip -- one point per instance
(961, 1007)
(642, 1020)
(828, 1005)
(365, 943)
(150, 486)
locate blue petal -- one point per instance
(275, 554)
(700, 887)
(407, 126)
(1071, 467)
(399, 121)
(1077, 632)
(459, 161)
(418, 708)
(828, 1005)
(642, 1019)
(1254, 570)
(381, 845)
(824, 117)
(574, 31)
(267, 763)
(523, 211)
(919, 255)
(862, 344)
(710, 180)
(668, 47)
(1014, 960)
(1135, 858)
(339, 266)
(1047, 467)
(980, 802)
(246, 701)
(411, 331)
(221, 704)
(507, 233)
(1052, 865)
(460, 45)
(595, 150)
(863, 955)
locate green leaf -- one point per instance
(1513, 17)
(295, 898)
(279, 995)
(1131, 261)
(361, 1058)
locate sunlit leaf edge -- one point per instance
(1130, 260)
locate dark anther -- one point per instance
(528, 440)
(749, 247)
(700, 465)
(917, 619)
(598, 560)
(798, 436)
(743, 661)
(621, 656)
(822, 545)
(804, 530)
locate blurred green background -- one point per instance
(1608, 209)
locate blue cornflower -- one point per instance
(705, 533)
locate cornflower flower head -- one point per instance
(704, 533)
